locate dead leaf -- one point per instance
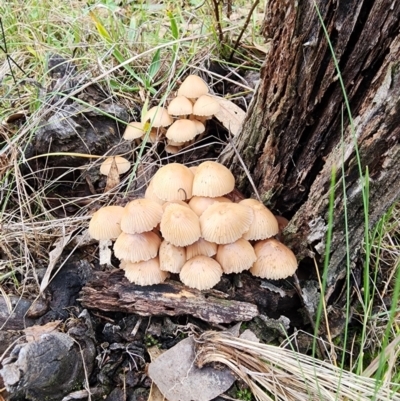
(112, 177)
(179, 379)
(33, 333)
(54, 255)
(230, 115)
(155, 394)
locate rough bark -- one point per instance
(113, 292)
(292, 137)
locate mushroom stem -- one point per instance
(105, 251)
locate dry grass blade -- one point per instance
(275, 373)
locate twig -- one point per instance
(235, 46)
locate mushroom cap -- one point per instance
(212, 179)
(174, 202)
(134, 130)
(224, 223)
(123, 165)
(173, 182)
(193, 87)
(264, 224)
(172, 149)
(155, 135)
(180, 106)
(172, 257)
(201, 247)
(236, 257)
(274, 260)
(282, 222)
(149, 194)
(200, 127)
(141, 215)
(145, 272)
(137, 247)
(201, 272)
(158, 117)
(206, 106)
(180, 225)
(182, 131)
(200, 203)
(106, 223)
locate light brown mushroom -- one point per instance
(212, 179)
(123, 165)
(158, 117)
(200, 203)
(201, 272)
(180, 225)
(182, 131)
(180, 106)
(206, 106)
(173, 182)
(137, 247)
(236, 257)
(193, 87)
(201, 247)
(105, 224)
(274, 260)
(264, 224)
(141, 215)
(134, 130)
(172, 257)
(224, 223)
(145, 273)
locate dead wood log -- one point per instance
(114, 293)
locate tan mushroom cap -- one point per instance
(173, 182)
(172, 257)
(282, 222)
(158, 117)
(206, 106)
(149, 194)
(264, 224)
(193, 87)
(201, 247)
(105, 224)
(145, 272)
(174, 202)
(134, 130)
(201, 272)
(236, 257)
(274, 260)
(180, 106)
(173, 149)
(180, 225)
(182, 131)
(123, 165)
(137, 247)
(141, 215)
(155, 135)
(224, 223)
(212, 179)
(200, 203)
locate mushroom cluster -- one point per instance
(183, 119)
(185, 225)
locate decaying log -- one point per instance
(113, 292)
(293, 138)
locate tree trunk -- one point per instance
(297, 129)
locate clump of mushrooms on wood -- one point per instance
(185, 225)
(182, 121)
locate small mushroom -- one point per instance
(149, 194)
(173, 182)
(172, 257)
(137, 247)
(224, 223)
(201, 272)
(212, 179)
(193, 87)
(141, 215)
(274, 260)
(180, 106)
(105, 224)
(134, 130)
(264, 224)
(200, 203)
(201, 247)
(236, 257)
(182, 131)
(123, 165)
(206, 106)
(145, 273)
(158, 117)
(180, 225)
